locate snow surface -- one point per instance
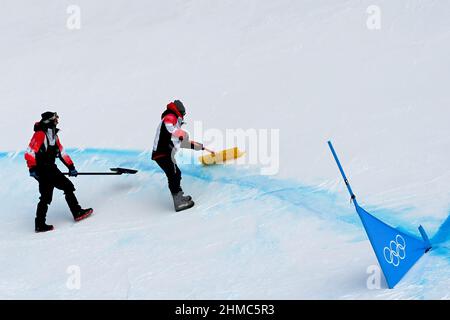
(309, 68)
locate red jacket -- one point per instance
(169, 135)
(44, 147)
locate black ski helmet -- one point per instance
(48, 117)
(180, 107)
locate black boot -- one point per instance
(41, 214)
(181, 203)
(82, 214)
(41, 226)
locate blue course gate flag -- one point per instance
(395, 250)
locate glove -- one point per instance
(34, 174)
(73, 172)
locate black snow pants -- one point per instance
(51, 177)
(172, 172)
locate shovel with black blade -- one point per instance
(115, 172)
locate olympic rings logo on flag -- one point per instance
(396, 251)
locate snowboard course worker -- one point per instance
(169, 139)
(40, 156)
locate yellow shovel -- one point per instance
(220, 157)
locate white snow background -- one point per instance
(312, 69)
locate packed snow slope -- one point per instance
(309, 68)
(248, 237)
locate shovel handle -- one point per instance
(114, 172)
(210, 151)
(95, 173)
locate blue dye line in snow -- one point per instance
(321, 202)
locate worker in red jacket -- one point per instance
(169, 139)
(40, 156)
